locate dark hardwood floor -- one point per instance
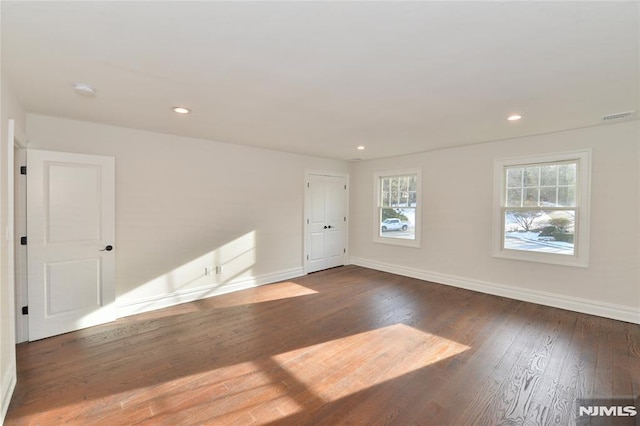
(343, 346)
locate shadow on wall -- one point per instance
(223, 269)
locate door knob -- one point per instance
(107, 248)
(325, 227)
(329, 226)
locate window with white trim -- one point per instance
(397, 209)
(543, 208)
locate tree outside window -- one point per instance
(544, 208)
(397, 211)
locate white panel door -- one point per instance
(71, 237)
(316, 212)
(326, 221)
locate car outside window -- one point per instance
(397, 213)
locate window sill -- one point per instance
(553, 259)
(397, 242)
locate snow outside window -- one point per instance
(543, 208)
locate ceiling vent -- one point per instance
(618, 116)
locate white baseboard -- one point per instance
(170, 299)
(8, 385)
(601, 309)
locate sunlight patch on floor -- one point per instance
(333, 370)
(234, 394)
(268, 293)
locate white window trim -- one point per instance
(416, 243)
(580, 258)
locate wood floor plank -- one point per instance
(577, 377)
(467, 372)
(633, 345)
(348, 345)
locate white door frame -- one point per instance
(8, 381)
(305, 226)
(20, 229)
(15, 222)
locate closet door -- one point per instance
(326, 222)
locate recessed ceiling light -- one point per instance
(360, 148)
(181, 110)
(84, 89)
(514, 117)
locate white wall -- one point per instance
(10, 108)
(184, 203)
(457, 223)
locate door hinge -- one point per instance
(344, 251)
(345, 187)
(23, 170)
(308, 185)
(345, 218)
(307, 257)
(25, 310)
(307, 221)
(23, 241)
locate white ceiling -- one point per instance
(321, 78)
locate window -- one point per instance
(397, 209)
(543, 208)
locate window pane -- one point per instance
(412, 199)
(567, 174)
(514, 197)
(531, 197)
(548, 231)
(404, 183)
(385, 199)
(567, 196)
(413, 183)
(393, 201)
(514, 177)
(522, 220)
(404, 199)
(393, 184)
(549, 175)
(385, 184)
(548, 197)
(398, 223)
(531, 175)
